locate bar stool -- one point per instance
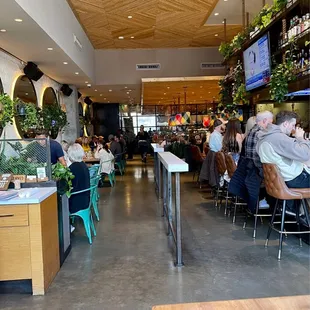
(277, 188)
(231, 168)
(221, 168)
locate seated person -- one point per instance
(216, 138)
(65, 146)
(232, 140)
(106, 158)
(81, 179)
(115, 148)
(85, 144)
(93, 143)
(291, 155)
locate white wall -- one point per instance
(56, 18)
(10, 69)
(119, 66)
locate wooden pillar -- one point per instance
(243, 14)
(247, 19)
(225, 30)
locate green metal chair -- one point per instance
(111, 175)
(94, 182)
(121, 163)
(86, 215)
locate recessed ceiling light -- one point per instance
(129, 89)
(225, 0)
(18, 20)
(3, 30)
(132, 37)
(223, 22)
(49, 48)
(110, 90)
(200, 97)
(164, 93)
(96, 90)
(77, 73)
(86, 82)
(129, 16)
(209, 92)
(125, 87)
(65, 63)
(105, 98)
(161, 98)
(193, 93)
(201, 86)
(88, 85)
(216, 35)
(216, 14)
(168, 87)
(128, 93)
(26, 94)
(108, 101)
(100, 95)
(121, 38)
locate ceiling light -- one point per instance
(65, 63)
(193, 93)
(216, 35)
(86, 82)
(129, 16)
(110, 90)
(164, 93)
(201, 86)
(121, 38)
(18, 20)
(200, 97)
(88, 85)
(225, 0)
(132, 37)
(3, 30)
(161, 98)
(168, 87)
(223, 22)
(216, 14)
(77, 73)
(100, 95)
(49, 48)
(108, 101)
(105, 98)
(96, 90)
(26, 94)
(128, 93)
(125, 87)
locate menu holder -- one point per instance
(31, 179)
(20, 177)
(42, 179)
(5, 180)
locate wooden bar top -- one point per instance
(274, 303)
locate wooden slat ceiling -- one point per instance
(199, 91)
(154, 23)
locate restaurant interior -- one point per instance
(145, 155)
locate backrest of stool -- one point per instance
(275, 184)
(230, 164)
(220, 162)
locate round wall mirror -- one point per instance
(49, 97)
(24, 90)
(1, 88)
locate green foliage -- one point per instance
(54, 118)
(281, 75)
(6, 110)
(307, 43)
(32, 118)
(226, 50)
(61, 173)
(241, 95)
(225, 91)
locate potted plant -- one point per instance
(6, 111)
(63, 177)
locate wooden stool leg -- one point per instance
(271, 222)
(282, 230)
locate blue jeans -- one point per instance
(302, 181)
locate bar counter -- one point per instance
(29, 243)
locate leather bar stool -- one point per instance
(221, 168)
(231, 168)
(277, 188)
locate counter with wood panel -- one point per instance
(29, 243)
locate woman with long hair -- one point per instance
(106, 157)
(232, 140)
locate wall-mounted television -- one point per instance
(257, 63)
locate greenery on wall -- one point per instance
(6, 110)
(54, 118)
(261, 20)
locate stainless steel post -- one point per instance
(179, 260)
(164, 189)
(169, 192)
(159, 178)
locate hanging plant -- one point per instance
(54, 118)
(240, 96)
(6, 110)
(226, 50)
(31, 119)
(281, 75)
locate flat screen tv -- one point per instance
(257, 63)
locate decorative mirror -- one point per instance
(25, 91)
(49, 97)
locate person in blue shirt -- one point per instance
(216, 138)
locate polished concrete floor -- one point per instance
(130, 264)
